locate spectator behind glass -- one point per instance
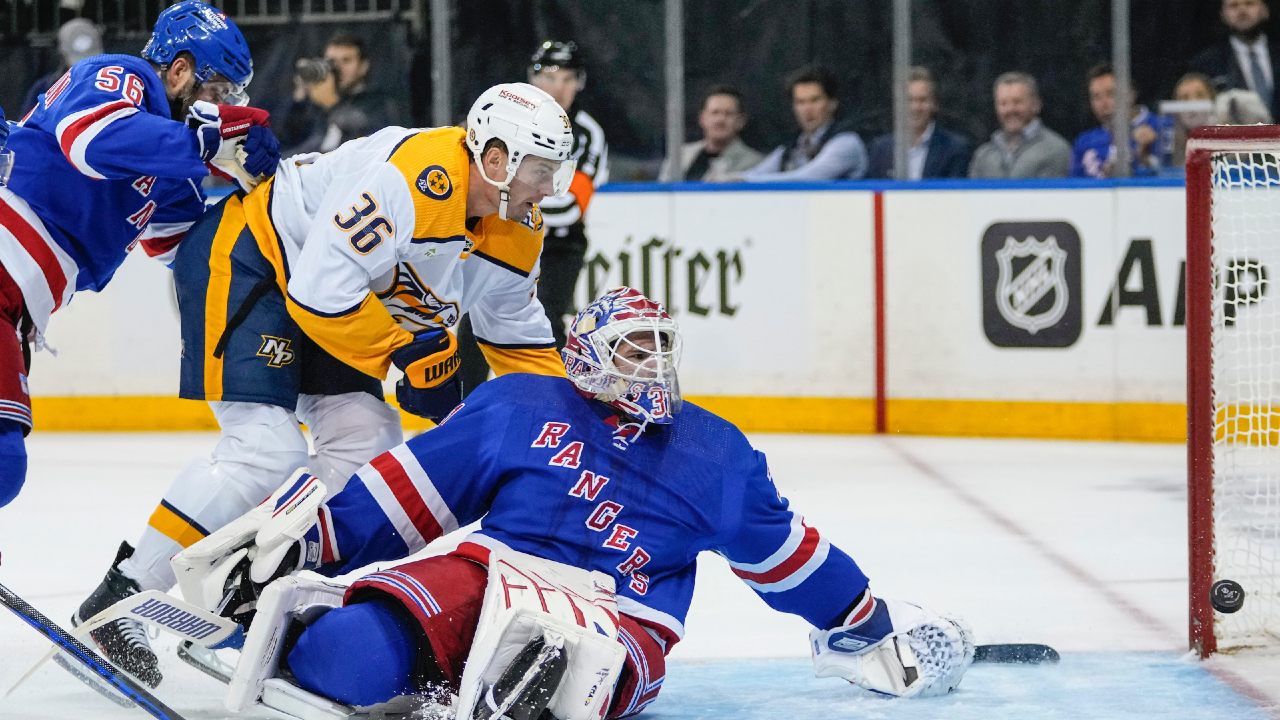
(77, 40)
(333, 101)
(936, 151)
(1093, 154)
(720, 156)
(824, 149)
(1192, 86)
(1023, 147)
(1246, 59)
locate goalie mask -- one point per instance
(623, 349)
(530, 123)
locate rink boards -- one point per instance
(945, 307)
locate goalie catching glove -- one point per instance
(225, 572)
(897, 649)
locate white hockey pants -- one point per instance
(261, 446)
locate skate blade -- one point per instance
(206, 661)
(79, 673)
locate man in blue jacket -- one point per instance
(936, 151)
(1092, 154)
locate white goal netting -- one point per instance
(1245, 192)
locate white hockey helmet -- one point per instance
(529, 122)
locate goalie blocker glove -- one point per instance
(895, 648)
(430, 387)
(226, 571)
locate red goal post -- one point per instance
(1233, 382)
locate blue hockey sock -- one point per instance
(13, 461)
(360, 655)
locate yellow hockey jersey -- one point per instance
(374, 245)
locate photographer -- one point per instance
(332, 100)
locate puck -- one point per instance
(1226, 596)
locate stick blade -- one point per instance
(1019, 653)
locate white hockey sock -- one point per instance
(348, 431)
(260, 446)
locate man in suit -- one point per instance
(825, 149)
(720, 156)
(1246, 60)
(936, 151)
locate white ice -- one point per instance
(1081, 546)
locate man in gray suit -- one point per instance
(720, 156)
(1023, 147)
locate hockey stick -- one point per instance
(1029, 654)
(77, 650)
(153, 608)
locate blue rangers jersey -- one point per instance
(99, 166)
(549, 473)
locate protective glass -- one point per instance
(539, 172)
(221, 91)
(6, 165)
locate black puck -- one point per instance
(1226, 596)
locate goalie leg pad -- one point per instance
(445, 595)
(282, 602)
(527, 597)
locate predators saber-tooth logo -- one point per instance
(277, 349)
(413, 305)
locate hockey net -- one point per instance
(1233, 382)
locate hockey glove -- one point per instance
(204, 121)
(430, 386)
(900, 649)
(434, 404)
(262, 151)
(237, 121)
(225, 571)
(214, 124)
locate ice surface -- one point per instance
(1084, 686)
(1078, 545)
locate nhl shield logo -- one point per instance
(1017, 296)
(1031, 284)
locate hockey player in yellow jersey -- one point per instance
(297, 298)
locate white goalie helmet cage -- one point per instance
(530, 123)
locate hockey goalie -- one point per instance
(595, 494)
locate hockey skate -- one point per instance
(124, 642)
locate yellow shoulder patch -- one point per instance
(434, 165)
(509, 244)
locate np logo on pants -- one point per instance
(277, 350)
(1031, 284)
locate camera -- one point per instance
(314, 70)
